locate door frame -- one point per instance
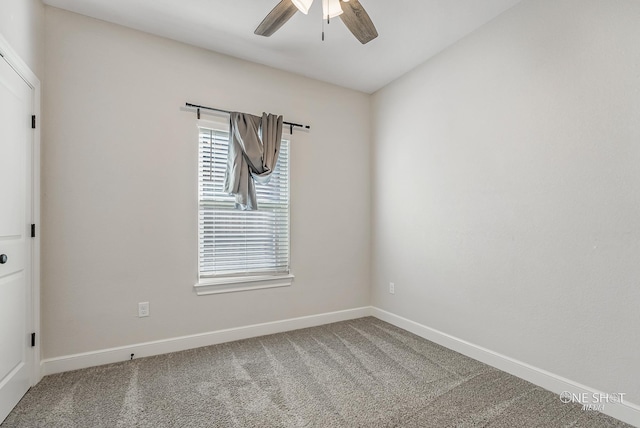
(33, 244)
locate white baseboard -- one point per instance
(626, 412)
(158, 347)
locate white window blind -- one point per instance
(240, 243)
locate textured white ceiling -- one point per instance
(411, 31)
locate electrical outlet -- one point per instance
(143, 309)
(392, 288)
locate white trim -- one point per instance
(23, 70)
(217, 122)
(147, 349)
(208, 286)
(626, 412)
(17, 63)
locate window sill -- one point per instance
(208, 286)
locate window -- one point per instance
(240, 250)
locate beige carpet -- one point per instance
(361, 373)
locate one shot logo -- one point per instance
(593, 402)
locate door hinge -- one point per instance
(33, 339)
(33, 121)
(33, 230)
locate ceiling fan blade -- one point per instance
(276, 18)
(357, 21)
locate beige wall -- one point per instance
(507, 190)
(22, 25)
(504, 179)
(119, 188)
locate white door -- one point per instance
(16, 138)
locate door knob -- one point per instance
(3, 259)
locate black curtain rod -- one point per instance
(291, 125)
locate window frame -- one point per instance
(215, 284)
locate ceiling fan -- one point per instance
(350, 12)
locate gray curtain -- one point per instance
(254, 145)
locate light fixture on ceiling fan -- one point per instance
(350, 12)
(330, 8)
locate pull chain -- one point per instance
(328, 17)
